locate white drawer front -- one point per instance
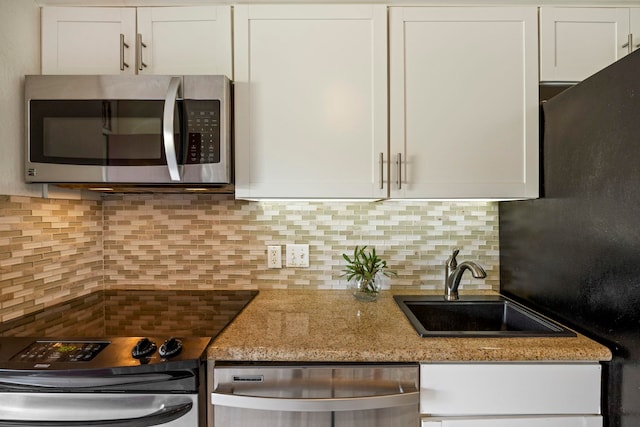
(539, 421)
(509, 389)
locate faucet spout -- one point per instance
(453, 279)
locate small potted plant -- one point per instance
(364, 271)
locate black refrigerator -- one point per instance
(574, 253)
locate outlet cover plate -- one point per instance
(298, 255)
(274, 256)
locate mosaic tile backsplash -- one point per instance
(50, 250)
(53, 250)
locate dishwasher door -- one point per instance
(341, 395)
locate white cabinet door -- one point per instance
(311, 100)
(550, 421)
(510, 389)
(577, 42)
(185, 40)
(634, 26)
(97, 40)
(168, 40)
(463, 102)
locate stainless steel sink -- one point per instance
(476, 316)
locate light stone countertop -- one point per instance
(332, 326)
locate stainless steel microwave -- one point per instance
(128, 130)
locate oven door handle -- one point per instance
(70, 383)
(315, 404)
(167, 129)
(162, 416)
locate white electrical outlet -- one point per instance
(297, 255)
(274, 256)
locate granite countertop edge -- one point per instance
(332, 326)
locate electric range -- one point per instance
(113, 358)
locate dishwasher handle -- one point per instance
(315, 404)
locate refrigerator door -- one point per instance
(574, 254)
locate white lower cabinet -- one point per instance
(551, 421)
(510, 394)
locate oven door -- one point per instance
(98, 410)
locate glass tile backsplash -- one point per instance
(54, 250)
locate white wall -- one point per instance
(19, 55)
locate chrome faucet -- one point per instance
(454, 272)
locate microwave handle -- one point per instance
(167, 129)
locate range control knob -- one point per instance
(170, 348)
(143, 348)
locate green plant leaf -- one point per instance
(365, 265)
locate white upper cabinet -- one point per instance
(463, 102)
(185, 40)
(577, 42)
(156, 40)
(311, 101)
(96, 40)
(634, 27)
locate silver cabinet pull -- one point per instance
(123, 45)
(381, 171)
(167, 129)
(139, 45)
(629, 43)
(399, 164)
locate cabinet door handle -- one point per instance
(123, 45)
(381, 171)
(399, 164)
(139, 45)
(629, 43)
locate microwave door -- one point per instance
(136, 152)
(158, 144)
(110, 141)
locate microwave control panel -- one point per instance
(203, 131)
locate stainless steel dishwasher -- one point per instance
(340, 395)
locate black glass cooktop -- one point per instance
(122, 313)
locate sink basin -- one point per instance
(476, 316)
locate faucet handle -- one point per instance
(452, 262)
